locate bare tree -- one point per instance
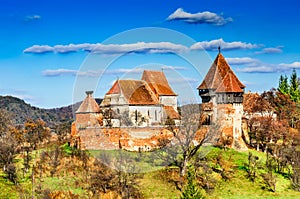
(117, 174)
(62, 131)
(36, 132)
(8, 150)
(187, 139)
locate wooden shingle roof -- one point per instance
(171, 112)
(221, 78)
(158, 83)
(136, 92)
(89, 104)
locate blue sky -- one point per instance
(51, 51)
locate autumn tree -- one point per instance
(36, 132)
(8, 150)
(62, 131)
(117, 174)
(102, 179)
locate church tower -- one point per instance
(222, 101)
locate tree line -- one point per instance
(273, 127)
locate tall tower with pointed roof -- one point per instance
(222, 100)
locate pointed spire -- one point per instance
(217, 73)
(89, 104)
(219, 49)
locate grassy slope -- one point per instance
(240, 187)
(153, 185)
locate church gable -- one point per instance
(137, 92)
(158, 83)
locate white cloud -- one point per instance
(139, 47)
(248, 83)
(275, 50)
(215, 44)
(124, 71)
(260, 67)
(32, 17)
(241, 60)
(174, 68)
(38, 49)
(93, 73)
(290, 66)
(183, 80)
(64, 72)
(59, 72)
(199, 18)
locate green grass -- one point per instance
(155, 182)
(62, 184)
(240, 187)
(139, 162)
(153, 186)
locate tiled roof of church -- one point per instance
(221, 78)
(171, 112)
(229, 84)
(115, 89)
(158, 83)
(136, 92)
(89, 104)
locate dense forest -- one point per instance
(37, 160)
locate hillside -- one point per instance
(159, 183)
(20, 111)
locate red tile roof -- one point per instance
(171, 112)
(158, 83)
(229, 84)
(136, 92)
(221, 78)
(89, 104)
(115, 89)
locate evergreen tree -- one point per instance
(294, 87)
(191, 190)
(283, 84)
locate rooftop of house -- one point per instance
(221, 77)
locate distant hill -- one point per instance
(20, 111)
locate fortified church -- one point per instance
(133, 113)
